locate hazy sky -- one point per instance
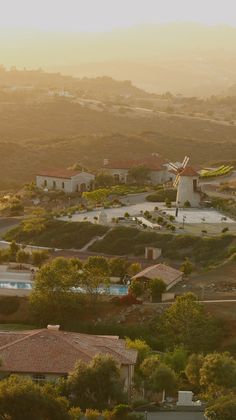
(104, 15)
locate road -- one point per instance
(175, 416)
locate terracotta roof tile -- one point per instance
(151, 162)
(59, 173)
(188, 171)
(162, 271)
(50, 351)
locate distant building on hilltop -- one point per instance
(66, 180)
(158, 167)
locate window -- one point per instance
(194, 185)
(38, 377)
(54, 184)
(117, 177)
(45, 183)
(63, 185)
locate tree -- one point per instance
(134, 268)
(22, 256)
(53, 298)
(192, 370)
(95, 384)
(218, 373)
(95, 275)
(156, 287)
(186, 267)
(140, 174)
(224, 408)
(141, 347)
(176, 359)
(118, 267)
(136, 288)
(39, 257)
(186, 323)
(158, 377)
(20, 398)
(104, 179)
(14, 248)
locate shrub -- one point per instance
(129, 299)
(136, 288)
(91, 414)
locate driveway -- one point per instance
(175, 416)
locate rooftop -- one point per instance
(153, 162)
(59, 173)
(162, 271)
(188, 171)
(54, 351)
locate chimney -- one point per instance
(53, 327)
(105, 162)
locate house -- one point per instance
(66, 180)
(170, 276)
(48, 354)
(158, 167)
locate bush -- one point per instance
(136, 288)
(129, 299)
(9, 305)
(92, 414)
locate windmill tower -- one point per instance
(186, 182)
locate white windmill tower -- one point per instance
(186, 182)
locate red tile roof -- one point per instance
(154, 163)
(161, 271)
(59, 173)
(188, 171)
(50, 351)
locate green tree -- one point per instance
(156, 288)
(97, 196)
(224, 408)
(134, 268)
(20, 398)
(141, 347)
(192, 370)
(176, 359)
(186, 323)
(136, 288)
(14, 248)
(186, 267)
(104, 179)
(158, 377)
(22, 256)
(218, 373)
(95, 384)
(53, 298)
(95, 275)
(140, 174)
(118, 267)
(39, 257)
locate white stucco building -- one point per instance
(68, 181)
(188, 189)
(159, 171)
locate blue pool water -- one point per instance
(114, 290)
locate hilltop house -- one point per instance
(158, 167)
(47, 354)
(170, 276)
(66, 180)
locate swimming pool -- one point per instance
(114, 290)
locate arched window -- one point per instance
(54, 184)
(45, 183)
(63, 185)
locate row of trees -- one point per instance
(88, 390)
(17, 254)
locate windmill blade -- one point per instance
(176, 181)
(185, 162)
(173, 166)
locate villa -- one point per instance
(170, 276)
(48, 354)
(66, 180)
(160, 172)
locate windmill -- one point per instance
(186, 182)
(178, 169)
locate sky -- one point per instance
(106, 15)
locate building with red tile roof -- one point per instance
(170, 276)
(158, 167)
(65, 180)
(48, 354)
